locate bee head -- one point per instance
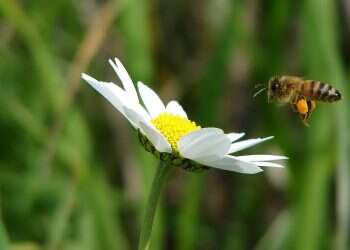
(274, 89)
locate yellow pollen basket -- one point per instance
(173, 127)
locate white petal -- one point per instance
(127, 102)
(235, 136)
(140, 110)
(238, 146)
(125, 79)
(268, 164)
(253, 158)
(134, 116)
(204, 144)
(173, 107)
(151, 100)
(115, 95)
(231, 163)
(156, 138)
(115, 98)
(186, 142)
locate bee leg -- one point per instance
(304, 118)
(311, 105)
(294, 102)
(302, 108)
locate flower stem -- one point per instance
(151, 205)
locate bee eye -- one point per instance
(275, 86)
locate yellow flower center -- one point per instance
(173, 127)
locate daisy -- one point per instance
(167, 132)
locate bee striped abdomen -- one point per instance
(333, 95)
(327, 93)
(321, 91)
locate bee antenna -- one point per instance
(259, 91)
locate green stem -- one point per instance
(151, 205)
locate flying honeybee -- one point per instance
(300, 93)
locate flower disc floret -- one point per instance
(173, 127)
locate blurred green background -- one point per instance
(72, 174)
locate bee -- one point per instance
(301, 94)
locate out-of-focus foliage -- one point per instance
(72, 175)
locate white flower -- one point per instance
(166, 131)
